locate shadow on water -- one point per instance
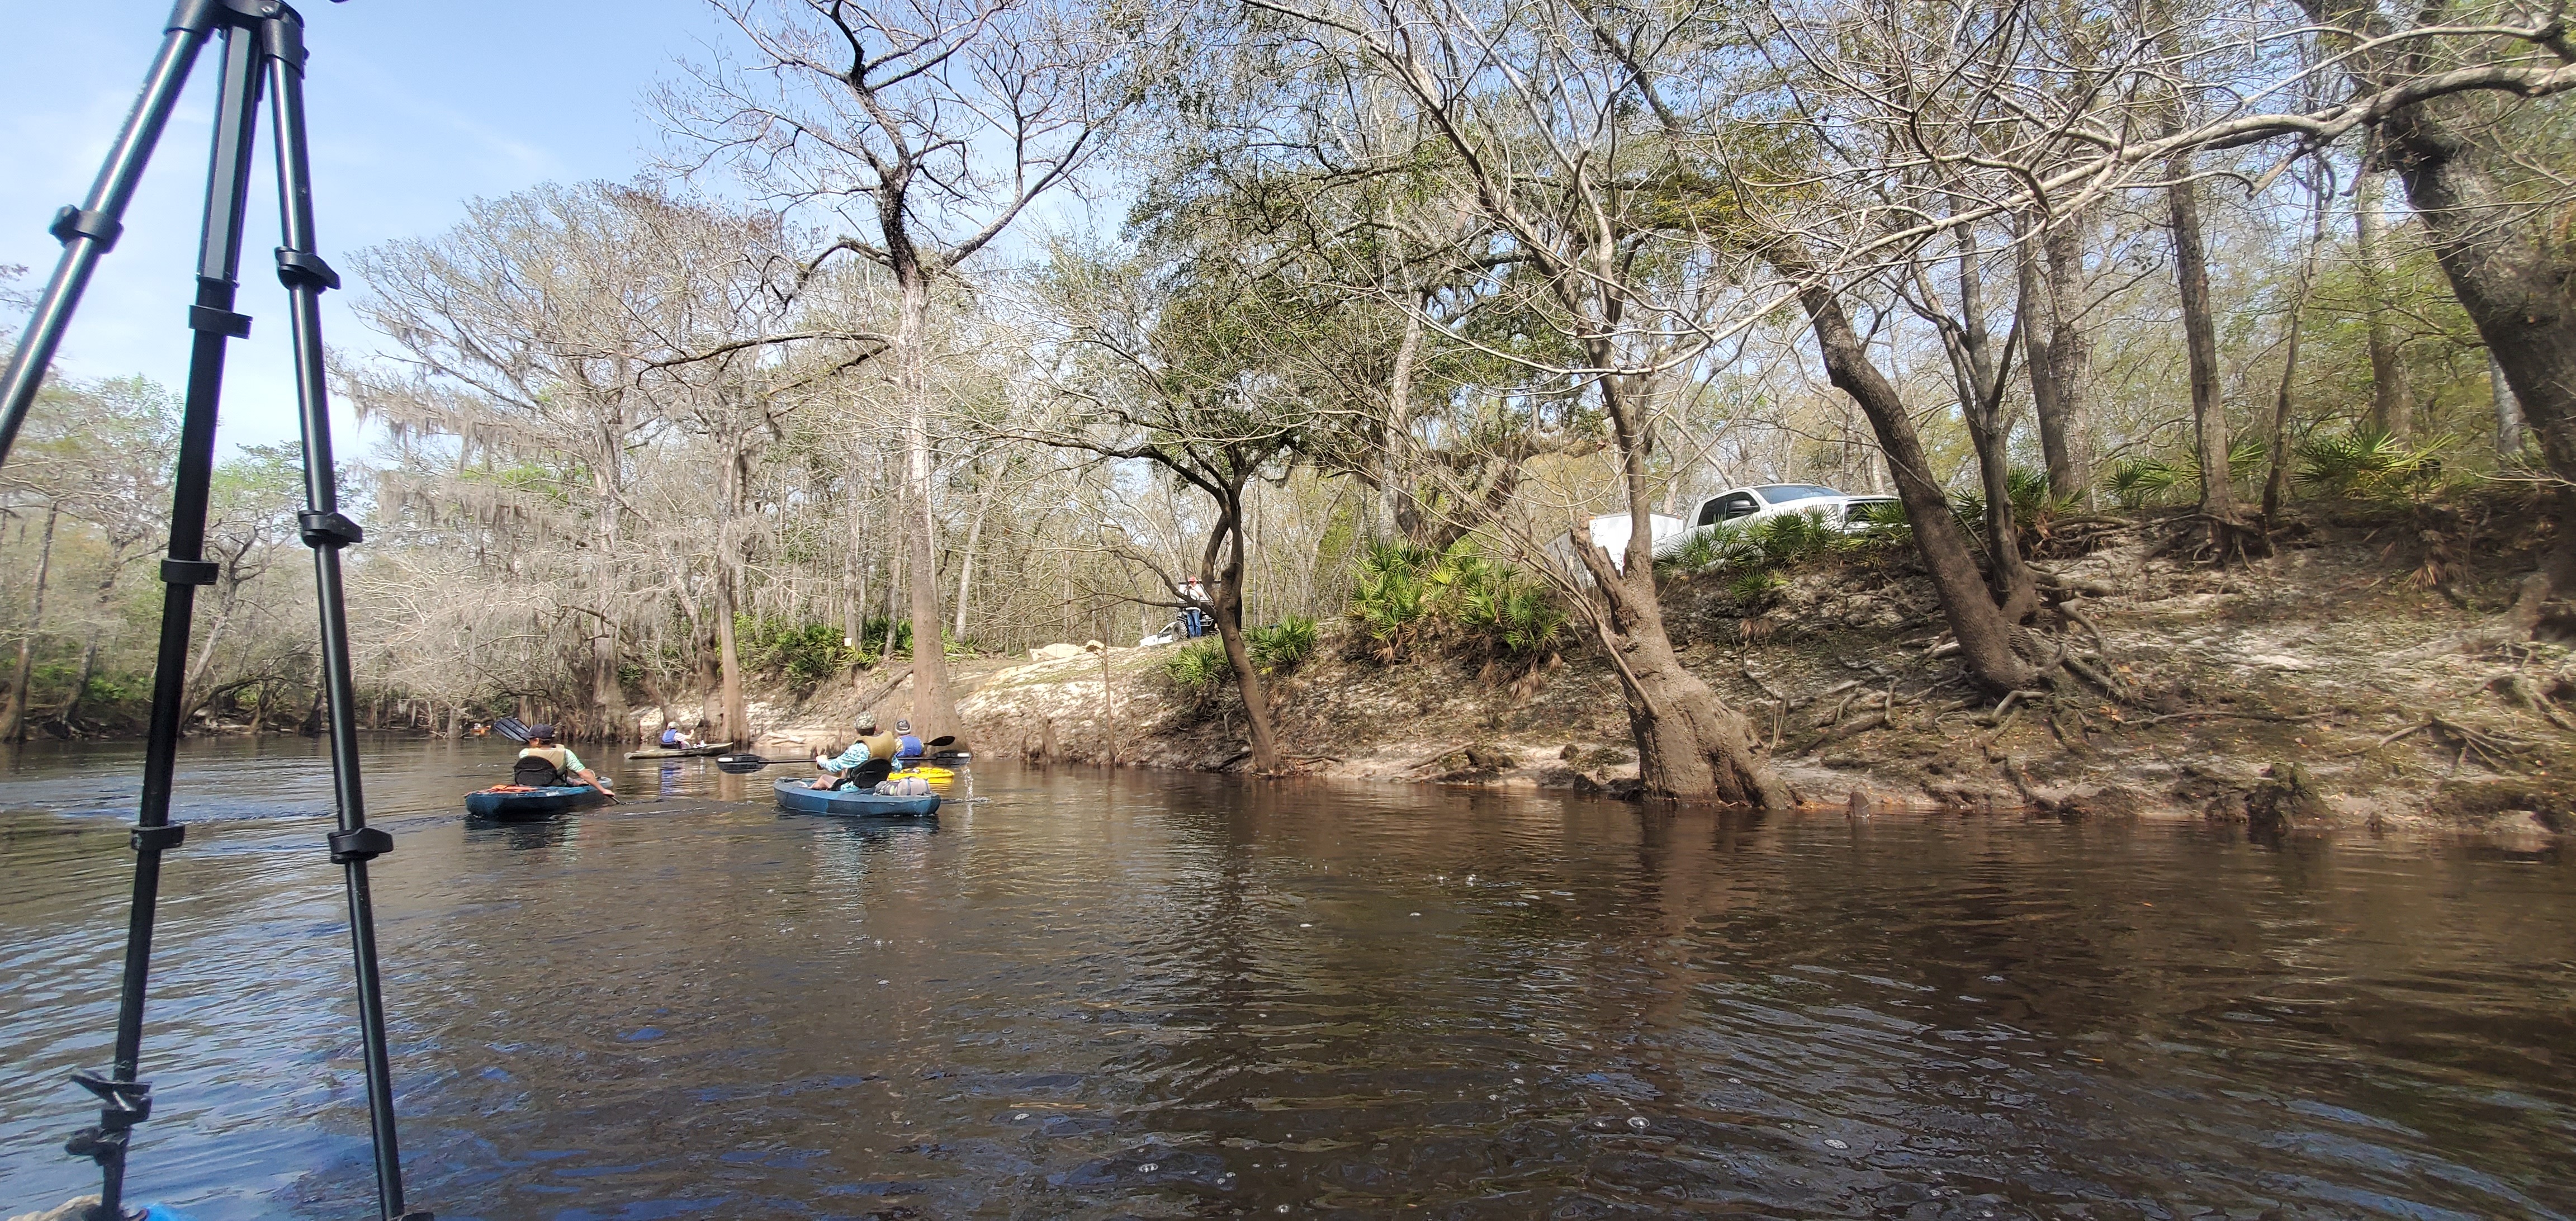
(521, 836)
(1086, 995)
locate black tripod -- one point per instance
(263, 48)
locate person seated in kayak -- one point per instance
(907, 745)
(673, 739)
(868, 760)
(546, 764)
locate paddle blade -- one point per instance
(740, 764)
(943, 740)
(512, 728)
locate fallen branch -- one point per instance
(2221, 715)
(1436, 756)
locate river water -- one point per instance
(1154, 995)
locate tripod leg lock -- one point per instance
(218, 321)
(74, 221)
(189, 572)
(363, 844)
(298, 268)
(123, 1105)
(161, 838)
(329, 529)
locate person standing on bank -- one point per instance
(544, 764)
(868, 760)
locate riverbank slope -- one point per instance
(2313, 687)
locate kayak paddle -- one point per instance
(743, 765)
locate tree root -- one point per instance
(2516, 687)
(2492, 750)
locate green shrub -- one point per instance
(872, 636)
(1756, 589)
(2367, 464)
(802, 654)
(2142, 481)
(1197, 671)
(1407, 597)
(2139, 482)
(1508, 613)
(1282, 646)
(1391, 595)
(1789, 538)
(1877, 523)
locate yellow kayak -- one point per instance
(931, 774)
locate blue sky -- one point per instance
(416, 107)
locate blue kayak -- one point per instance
(507, 804)
(852, 803)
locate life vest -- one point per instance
(540, 767)
(907, 747)
(670, 738)
(881, 748)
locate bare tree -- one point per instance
(929, 127)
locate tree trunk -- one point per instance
(2508, 413)
(13, 714)
(1984, 634)
(1396, 504)
(608, 687)
(99, 606)
(2498, 255)
(734, 722)
(69, 717)
(2276, 479)
(2392, 404)
(1690, 745)
(1221, 570)
(2060, 354)
(934, 707)
(317, 708)
(966, 559)
(2200, 338)
(1981, 407)
(894, 608)
(1108, 711)
(2039, 363)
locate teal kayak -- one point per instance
(852, 803)
(506, 803)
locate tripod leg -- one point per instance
(90, 229)
(127, 1100)
(326, 532)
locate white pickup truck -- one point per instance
(1735, 506)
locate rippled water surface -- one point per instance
(1153, 996)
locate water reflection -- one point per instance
(1149, 995)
